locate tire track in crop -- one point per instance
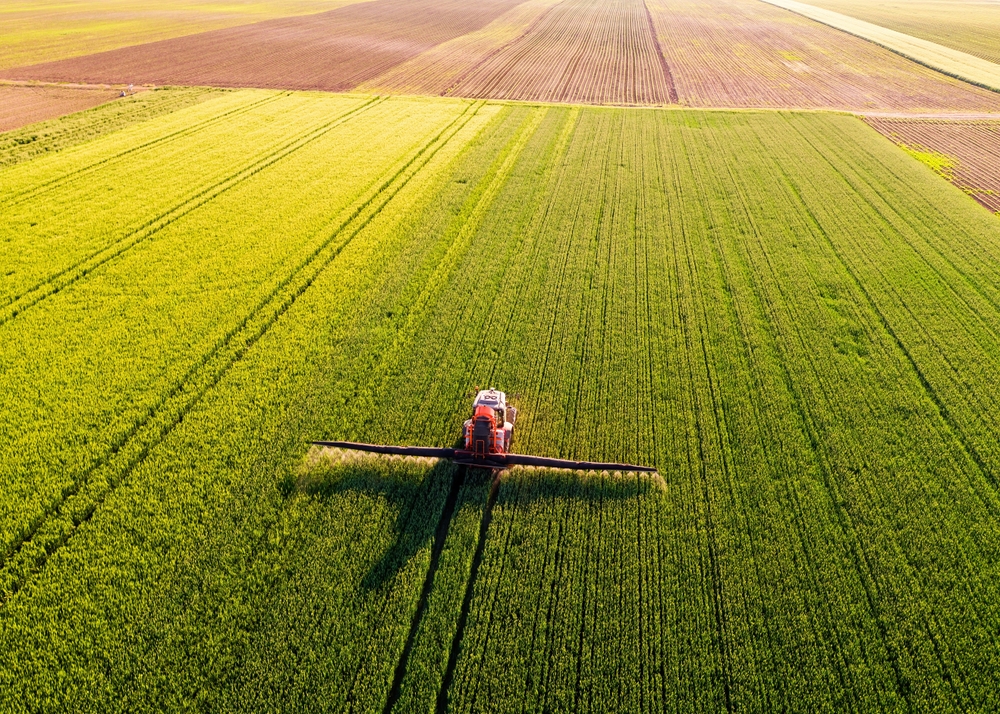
(811, 430)
(952, 425)
(592, 552)
(600, 274)
(463, 617)
(552, 545)
(514, 305)
(503, 307)
(765, 309)
(78, 503)
(421, 308)
(949, 434)
(440, 535)
(844, 519)
(62, 279)
(920, 229)
(38, 189)
(561, 279)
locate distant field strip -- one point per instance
(971, 26)
(944, 59)
(578, 51)
(745, 53)
(794, 320)
(44, 30)
(967, 153)
(333, 51)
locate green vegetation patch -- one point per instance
(939, 163)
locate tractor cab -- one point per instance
(491, 427)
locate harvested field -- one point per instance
(588, 51)
(971, 26)
(967, 153)
(47, 30)
(333, 51)
(746, 53)
(21, 104)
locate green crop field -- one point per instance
(793, 320)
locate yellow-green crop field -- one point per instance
(793, 320)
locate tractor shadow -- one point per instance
(423, 493)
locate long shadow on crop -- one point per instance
(414, 490)
(423, 494)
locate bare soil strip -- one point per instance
(583, 51)
(746, 53)
(967, 153)
(23, 104)
(332, 51)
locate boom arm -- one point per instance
(493, 461)
(524, 460)
(431, 451)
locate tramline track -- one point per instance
(76, 503)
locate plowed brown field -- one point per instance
(21, 105)
(744, 53)
(437, 70)
(967, 153)
(332, 51)
(589, 51)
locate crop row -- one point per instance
(760, 305)
(432, 72)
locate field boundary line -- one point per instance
(34, 191)
(67, 276)
(23, 557)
